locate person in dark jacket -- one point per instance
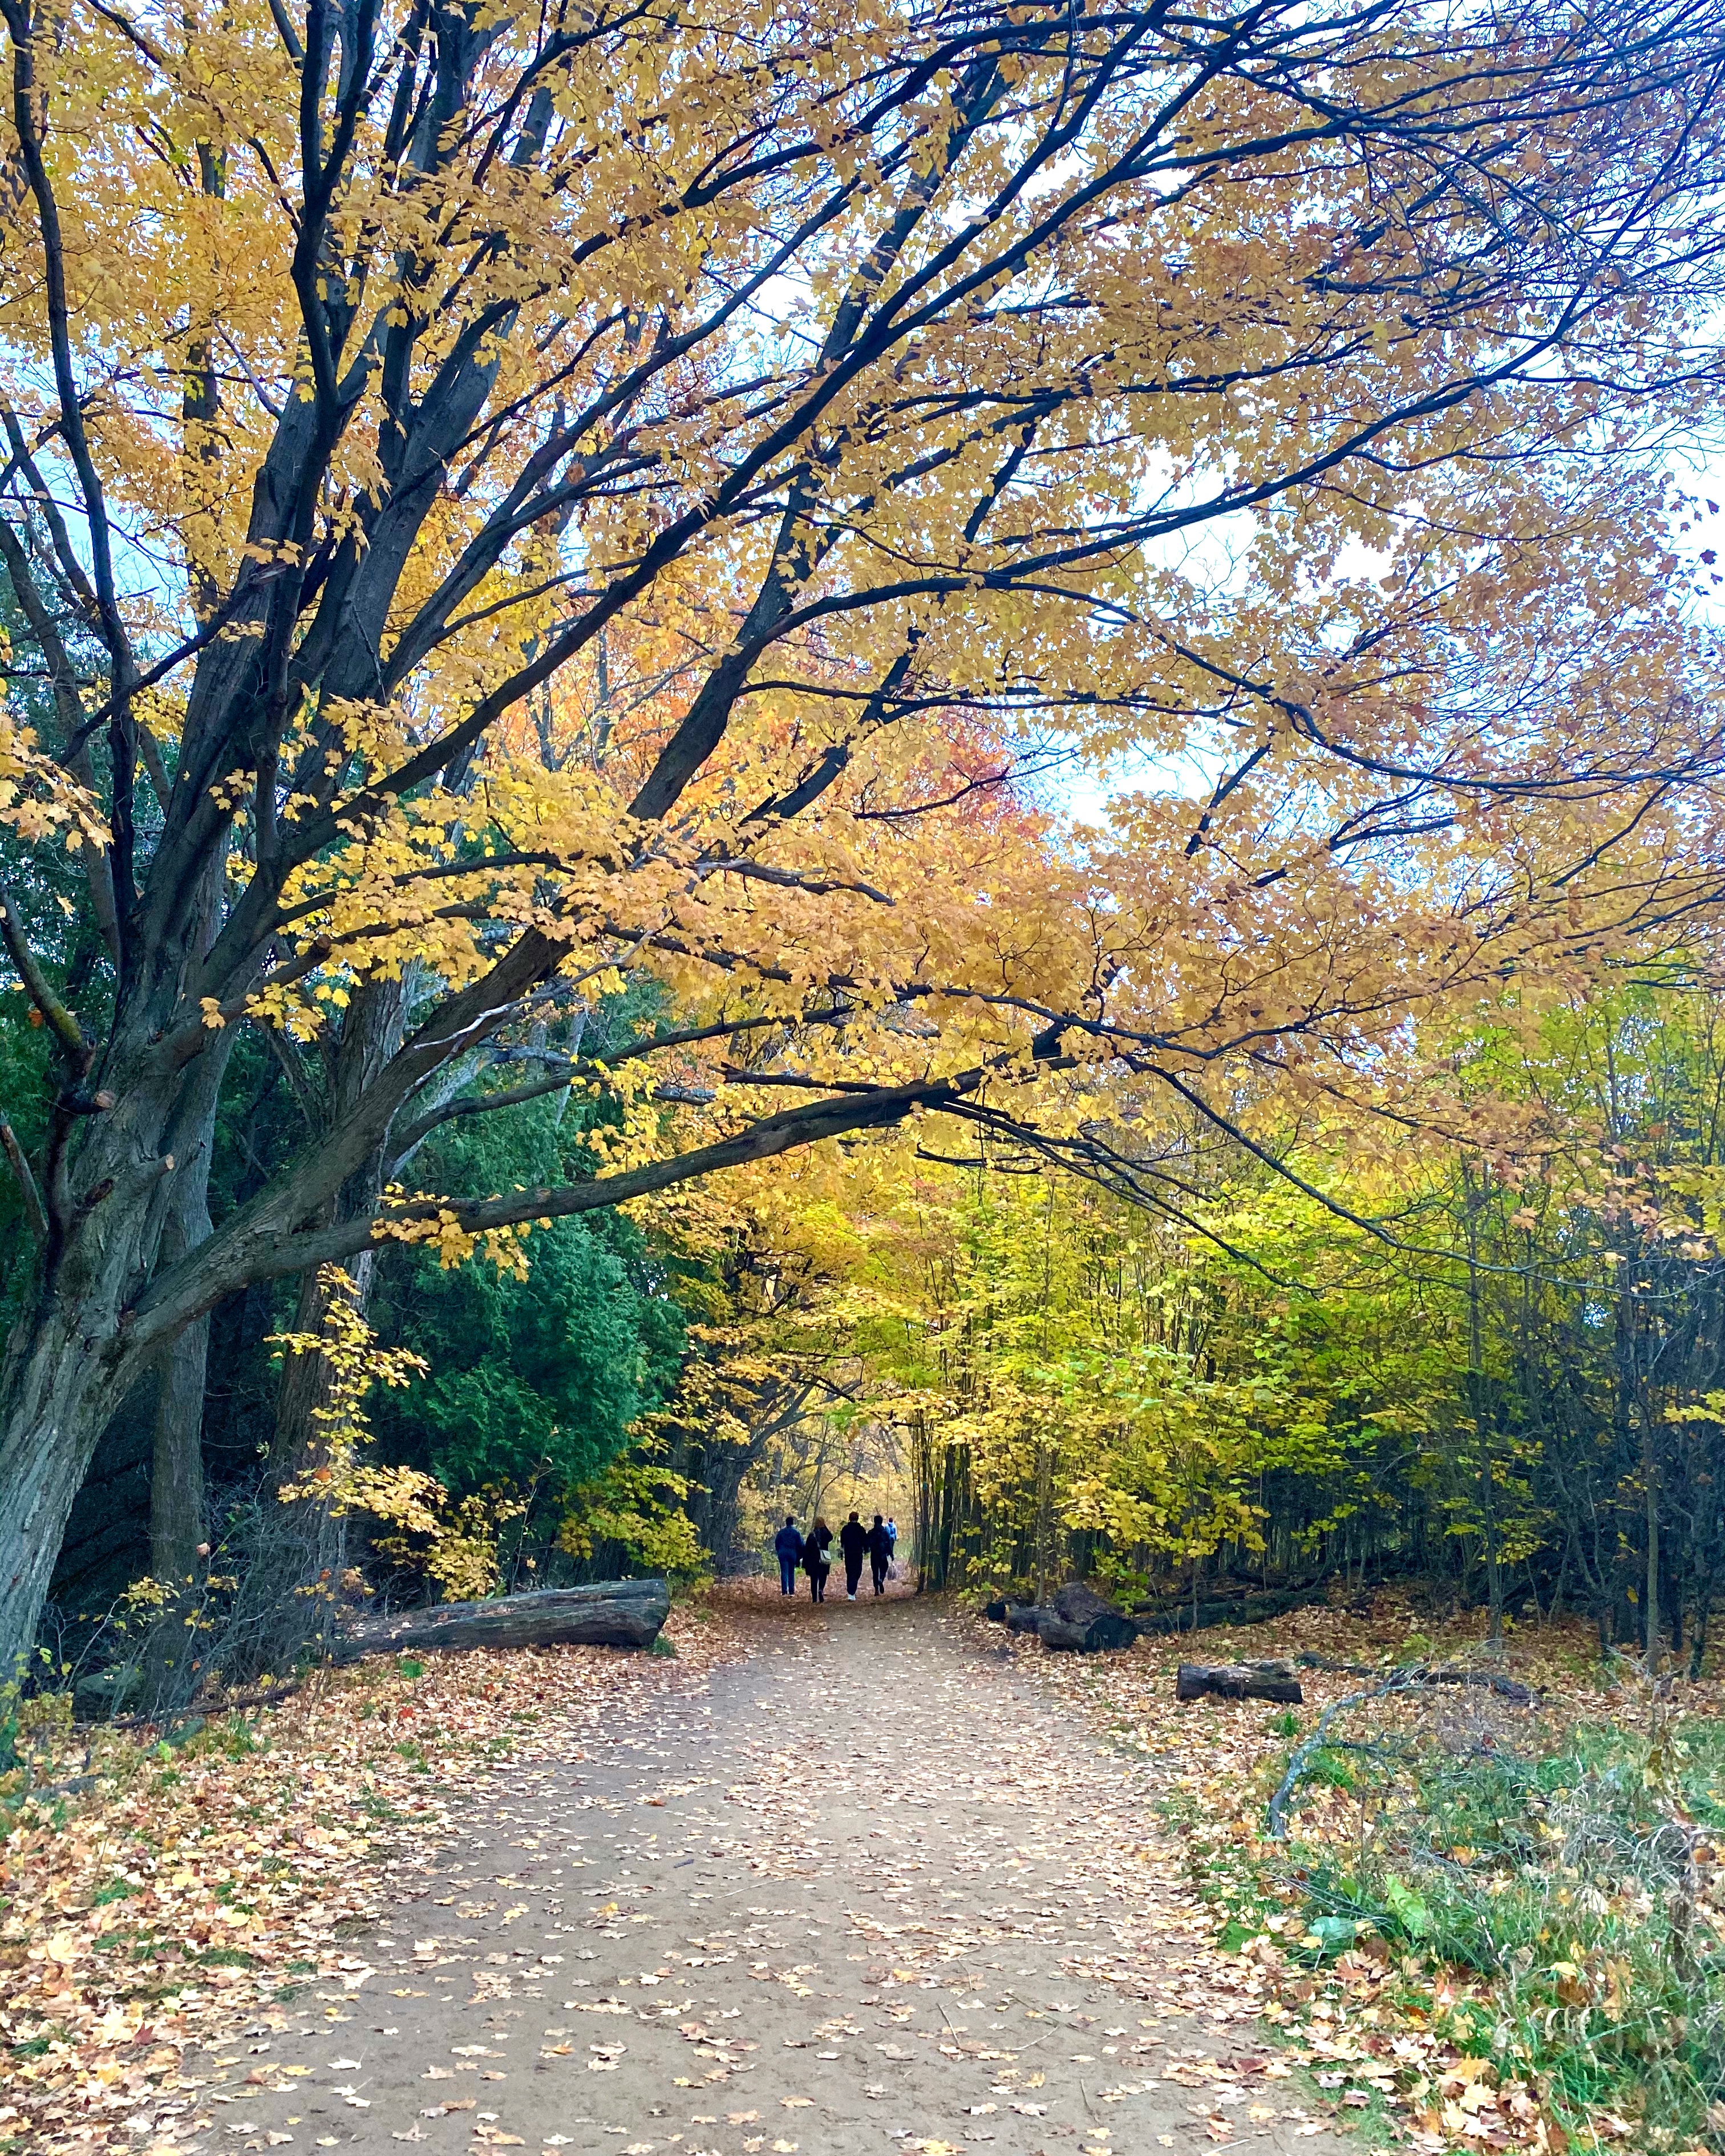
(814, 1559)
(854, 1541)
(880, 1554)
(789, 1543)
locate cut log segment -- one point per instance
(1105, 1629)
(612, 1613)
(1078, 1621)
(1271, 1681)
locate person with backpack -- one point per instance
(789, 1545)
(814, 1559)
(880, 1552)
(854, 1541)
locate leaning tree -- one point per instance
(502, 499)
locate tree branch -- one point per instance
(35, 1218)
(64, 1027)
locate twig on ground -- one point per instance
(195, 1713)
(1303, 1752)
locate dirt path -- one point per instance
(864, 1889)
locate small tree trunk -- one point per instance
(1481, 1420)
(1650, 1477)
(370, 1033)
(176, 1460)
(306, 1379)
(1044, 1496)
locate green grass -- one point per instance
(1565, 1885)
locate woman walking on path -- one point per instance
(814, 1559)
(854, 1541)
(880, 1554)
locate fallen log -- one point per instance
(612, 1613)
(1174, 1617)
(1271, 1681)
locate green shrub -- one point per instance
(1567, 1884)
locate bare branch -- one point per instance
(34, 1217)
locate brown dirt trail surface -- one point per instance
(861, 1887)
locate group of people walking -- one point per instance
(855, 1542)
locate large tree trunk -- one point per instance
(177, 1457)
(1078, 1620)
(140, 1175)
(61, 1398)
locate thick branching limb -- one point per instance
(253, 1247)
(109, 623)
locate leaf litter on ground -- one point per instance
(1409, 2044)
(179, 1893)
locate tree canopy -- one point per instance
(511, 511)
